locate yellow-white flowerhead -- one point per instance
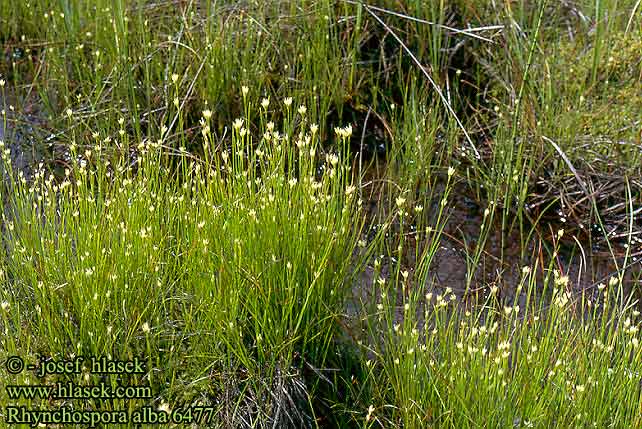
(332, 159)
(265, 103)
(245, 90)
(302, 109)
(238, 123)
(343, 132)
(561, 280)
(207, 114)
(287, 101)
(174, 77)
(371, 409)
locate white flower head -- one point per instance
(345, 132)
(371, 409)
(332, 159)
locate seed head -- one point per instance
(333, 159)
(370, 411)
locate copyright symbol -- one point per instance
(15, 365)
